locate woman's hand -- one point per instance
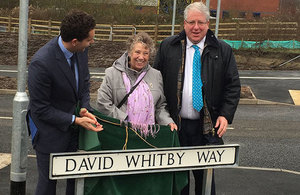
(173, 126)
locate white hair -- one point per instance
(197, 6)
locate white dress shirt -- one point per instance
(187, 110)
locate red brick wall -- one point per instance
(265, 7)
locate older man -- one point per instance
(200, 79)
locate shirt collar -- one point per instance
(66, 52)
(189, 43)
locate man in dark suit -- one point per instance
(58, 82)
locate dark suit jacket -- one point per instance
(219, 74)
(53, 96)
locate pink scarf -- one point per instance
(140, 107)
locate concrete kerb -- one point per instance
(268, 169)
(243, 101)
(8, 91)
(246, 101)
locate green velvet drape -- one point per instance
(114, 137)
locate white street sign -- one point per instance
(117, 162)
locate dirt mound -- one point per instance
(104, 53)
(101, 54)
(267, 60)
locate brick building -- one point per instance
(246, 8)
(253, 8)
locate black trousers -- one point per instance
(191, 134)
(45, 186)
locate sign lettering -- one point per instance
(98, 163)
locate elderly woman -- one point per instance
(145, 106)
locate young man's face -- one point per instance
(195, 26)
(81, 45)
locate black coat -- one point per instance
(221, 84)
(53, 96)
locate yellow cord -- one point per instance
(126, 140)
(142, 138)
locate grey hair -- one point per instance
(197, 6)
(143, 38)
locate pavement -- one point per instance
(231, 181)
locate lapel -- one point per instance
(65, 68)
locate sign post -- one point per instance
(207, 181)
(19, 132)
(123, 162)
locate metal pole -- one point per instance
(79, 186)
(173, 19)
(289, 60)
(20, 102)
(218, 18)
(158, 4)
(207, 3)
(207, 181)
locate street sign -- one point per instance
(121, 162)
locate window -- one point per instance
(213, 13)
(256, 14)
(242, 15)
(139, 7)
(225, 14)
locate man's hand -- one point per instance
(84, 112)
(173, 126)
(88, 121)
(222, 124)
(88, 124)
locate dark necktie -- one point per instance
(197, 82)
(73, 59)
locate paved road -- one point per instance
(272, 85)
(11, 71)
(269, 137)
(266, 85)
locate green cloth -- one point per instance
(113, 137)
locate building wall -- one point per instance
(136, 2)
(289, 6)
(267, 6)
(264, 7)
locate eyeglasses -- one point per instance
(193, 23)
